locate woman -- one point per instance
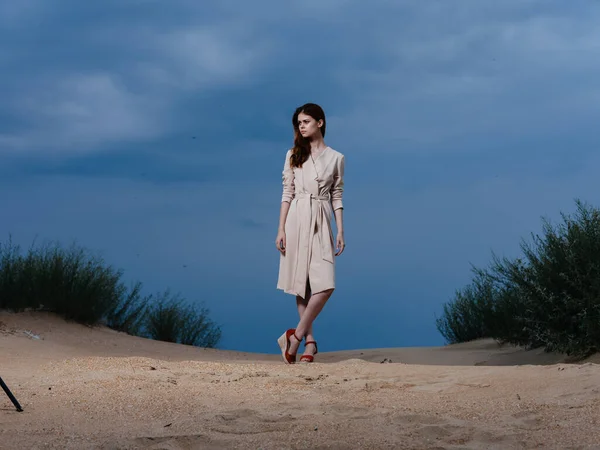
(313, 181)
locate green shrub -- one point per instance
(171, 320)
(81, 287)
(471, 315)
(131, 312)
(72, 282)
(549, 298)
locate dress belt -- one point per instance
(302, 195)
(321, 220)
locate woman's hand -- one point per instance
(340, 244)
(280, 241)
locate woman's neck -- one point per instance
(317, 145)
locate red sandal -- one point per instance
(284, 344)
(309, 358)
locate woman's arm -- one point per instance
(337, 204)
(283, 212)
(280, 240)
(337, 188)
(289, 192)
(339, 220)
(340, 242)
(288, 180)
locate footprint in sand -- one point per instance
(527, 419)
(349, 412)
(249, 421)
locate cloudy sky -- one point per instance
(155, 133)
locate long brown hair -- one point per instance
(301, 150)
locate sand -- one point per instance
(95, 388)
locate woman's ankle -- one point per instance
(310, 348)
(295, 342)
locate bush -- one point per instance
(131, 312)
(169, 319)
(470, 315)
(81, 287)
(549, 298)
(72, 283)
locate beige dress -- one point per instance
(314, 192)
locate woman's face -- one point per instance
(309, 128)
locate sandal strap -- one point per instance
(314, 343)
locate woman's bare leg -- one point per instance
(309, 314)
(302, 303)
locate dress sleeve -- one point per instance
(338, 185)
(289, 187)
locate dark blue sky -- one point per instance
(155, 133)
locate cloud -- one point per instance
(456, 74)
(83, 111)
(425, 76)
(201, 57)
(148, 70)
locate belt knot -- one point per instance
(313, 196)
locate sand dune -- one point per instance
(86, 387)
